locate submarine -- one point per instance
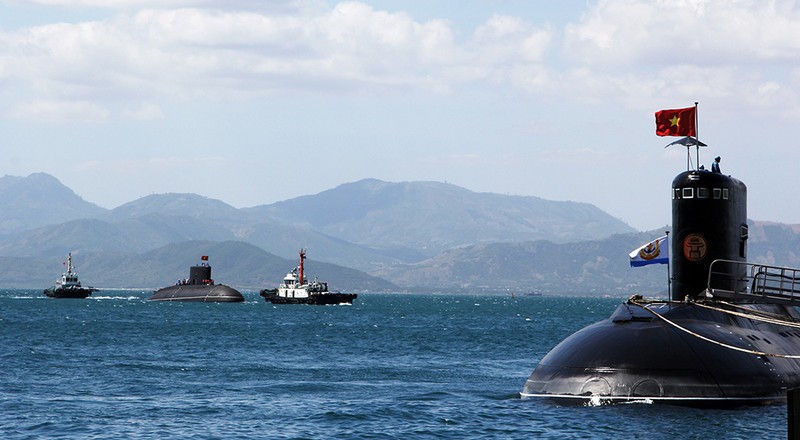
(727, 336)
(199, 287)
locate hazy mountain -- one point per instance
(285, 240)
(592, 267)
(423, 236)
(180, 205)
(182, 217)
(129, 236)
(88, 235)
(365, 225)
(17, 272)
(234, 263)
(430, 217)
(774, 244)
(38, 200)
(589, 267)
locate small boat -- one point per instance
(68, 286)
(199, 287)
(295, 290)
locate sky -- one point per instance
(252, 102)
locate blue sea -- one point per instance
(391, 366)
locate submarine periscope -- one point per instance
(728, 335)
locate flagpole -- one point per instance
(697, 134)
(688, 158)
(669, 280)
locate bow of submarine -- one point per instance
(682, 358)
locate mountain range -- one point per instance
(368, 235)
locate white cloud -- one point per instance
(509, 39)
(187, 52)
(629, 51)
(286, 6)
(709, 32)
(60, 111)
(683, 50)
(144, 112)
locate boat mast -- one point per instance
(697, 135)
(69, 263)
(302, 257)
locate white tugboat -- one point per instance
(68, 286)
(295, 290)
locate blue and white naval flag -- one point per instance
(655, 252)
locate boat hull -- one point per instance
(320, 299)
(76, 293)
(637, 356)
(198, 293)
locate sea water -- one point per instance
(390, 366)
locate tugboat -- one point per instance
(68, 286)
(295, 290)
(199, 287)
(728, 336)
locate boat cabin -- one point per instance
(69, 280)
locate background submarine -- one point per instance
(199, 287)
(728, 336)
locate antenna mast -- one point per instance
(697, 135)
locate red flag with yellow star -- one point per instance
(677, 122)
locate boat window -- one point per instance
(688, 193)
(676, 193)
(725, 194)
(703, 193)
(717, 193)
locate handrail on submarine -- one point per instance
(743, 281)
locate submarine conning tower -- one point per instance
(709, 222)
(200, 274)
(742, 349)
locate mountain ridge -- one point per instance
(421, 236)
(420, 214)
(399, 222)
(38, 200)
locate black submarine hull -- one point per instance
(683, 356)
(198, 293)
(705, 346)
(199, 287)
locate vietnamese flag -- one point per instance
(677, 122)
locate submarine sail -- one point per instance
(728, 336)
(199, 287)
(709, 222)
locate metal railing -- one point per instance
(738, 280)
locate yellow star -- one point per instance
(675, 121)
